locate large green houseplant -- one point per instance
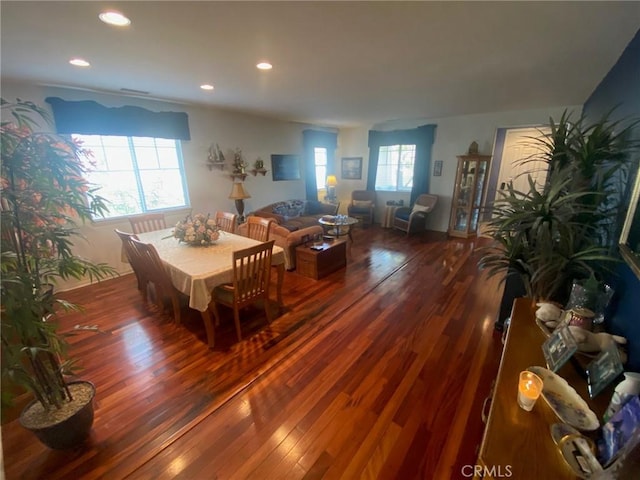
(566, 229)
(44, 197)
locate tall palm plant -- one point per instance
(565, 229)
(44, 196)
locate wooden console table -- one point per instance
(517, 439)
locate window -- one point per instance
(136, 174)
(320, 162)
(395, 168)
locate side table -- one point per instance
(320, 263)
(389, 215)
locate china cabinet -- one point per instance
(468, 194)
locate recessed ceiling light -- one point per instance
(206, 86)
(264, 66)
(79, 62)
(114, 18)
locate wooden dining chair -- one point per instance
(258, 228)
(148, 222)
(226, 221)
(133, 258)
(155, 273)
(251, 279)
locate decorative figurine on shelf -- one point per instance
(238, 163)
(215, 157)
(473, 148)
(259, 165)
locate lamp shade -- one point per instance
(238, 192)
(332, 181)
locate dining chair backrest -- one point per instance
(149, 222)
(258, 228)
(133, 257)
(155, 272)
(252, 273)
(226, 221)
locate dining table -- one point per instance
(197, 270)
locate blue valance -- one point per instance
(90, 118)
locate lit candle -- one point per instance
(529, 389)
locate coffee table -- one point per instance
(340, 225)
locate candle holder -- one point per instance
(529, 389)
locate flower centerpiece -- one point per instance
(197, 230)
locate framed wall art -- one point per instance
(437, 168)
(285, 167)
(352, 168)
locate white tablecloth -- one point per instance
(195, 271)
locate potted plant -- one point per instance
(549, 235)
(44, 196)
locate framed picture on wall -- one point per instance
(352, 168)
(285, 167)
(437, 168)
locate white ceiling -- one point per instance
(335, 63)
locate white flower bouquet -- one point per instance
(197, 230)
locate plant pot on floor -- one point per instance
(66, 427)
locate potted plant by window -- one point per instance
(551, 234)
(44, 196)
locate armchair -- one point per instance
(414, 219)
(363, 203)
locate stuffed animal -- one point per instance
(590, 342)
(549, 314)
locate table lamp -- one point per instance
(332, 181)
(238, 193)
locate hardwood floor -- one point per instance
(376, 371)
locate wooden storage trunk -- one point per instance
(320, 263)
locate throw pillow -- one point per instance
(295, 208)
(421, 208)
(280, 210)
(362, 203)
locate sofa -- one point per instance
(295, 222)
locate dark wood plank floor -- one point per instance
(377, 371)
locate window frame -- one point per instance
(399, 167)
(322, 186)
(137, 173)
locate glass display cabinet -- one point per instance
(468, 195)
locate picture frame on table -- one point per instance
(559, 348)
(604, 369)
(352, 168)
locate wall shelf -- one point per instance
(257, 171)
(241, 176)
(219, 165)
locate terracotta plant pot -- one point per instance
(69, 432)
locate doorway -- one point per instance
(511, 146)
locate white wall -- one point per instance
(453, 137)
(258, 136)
(208, 190)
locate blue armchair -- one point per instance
(414, 219)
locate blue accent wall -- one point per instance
(621, 89)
